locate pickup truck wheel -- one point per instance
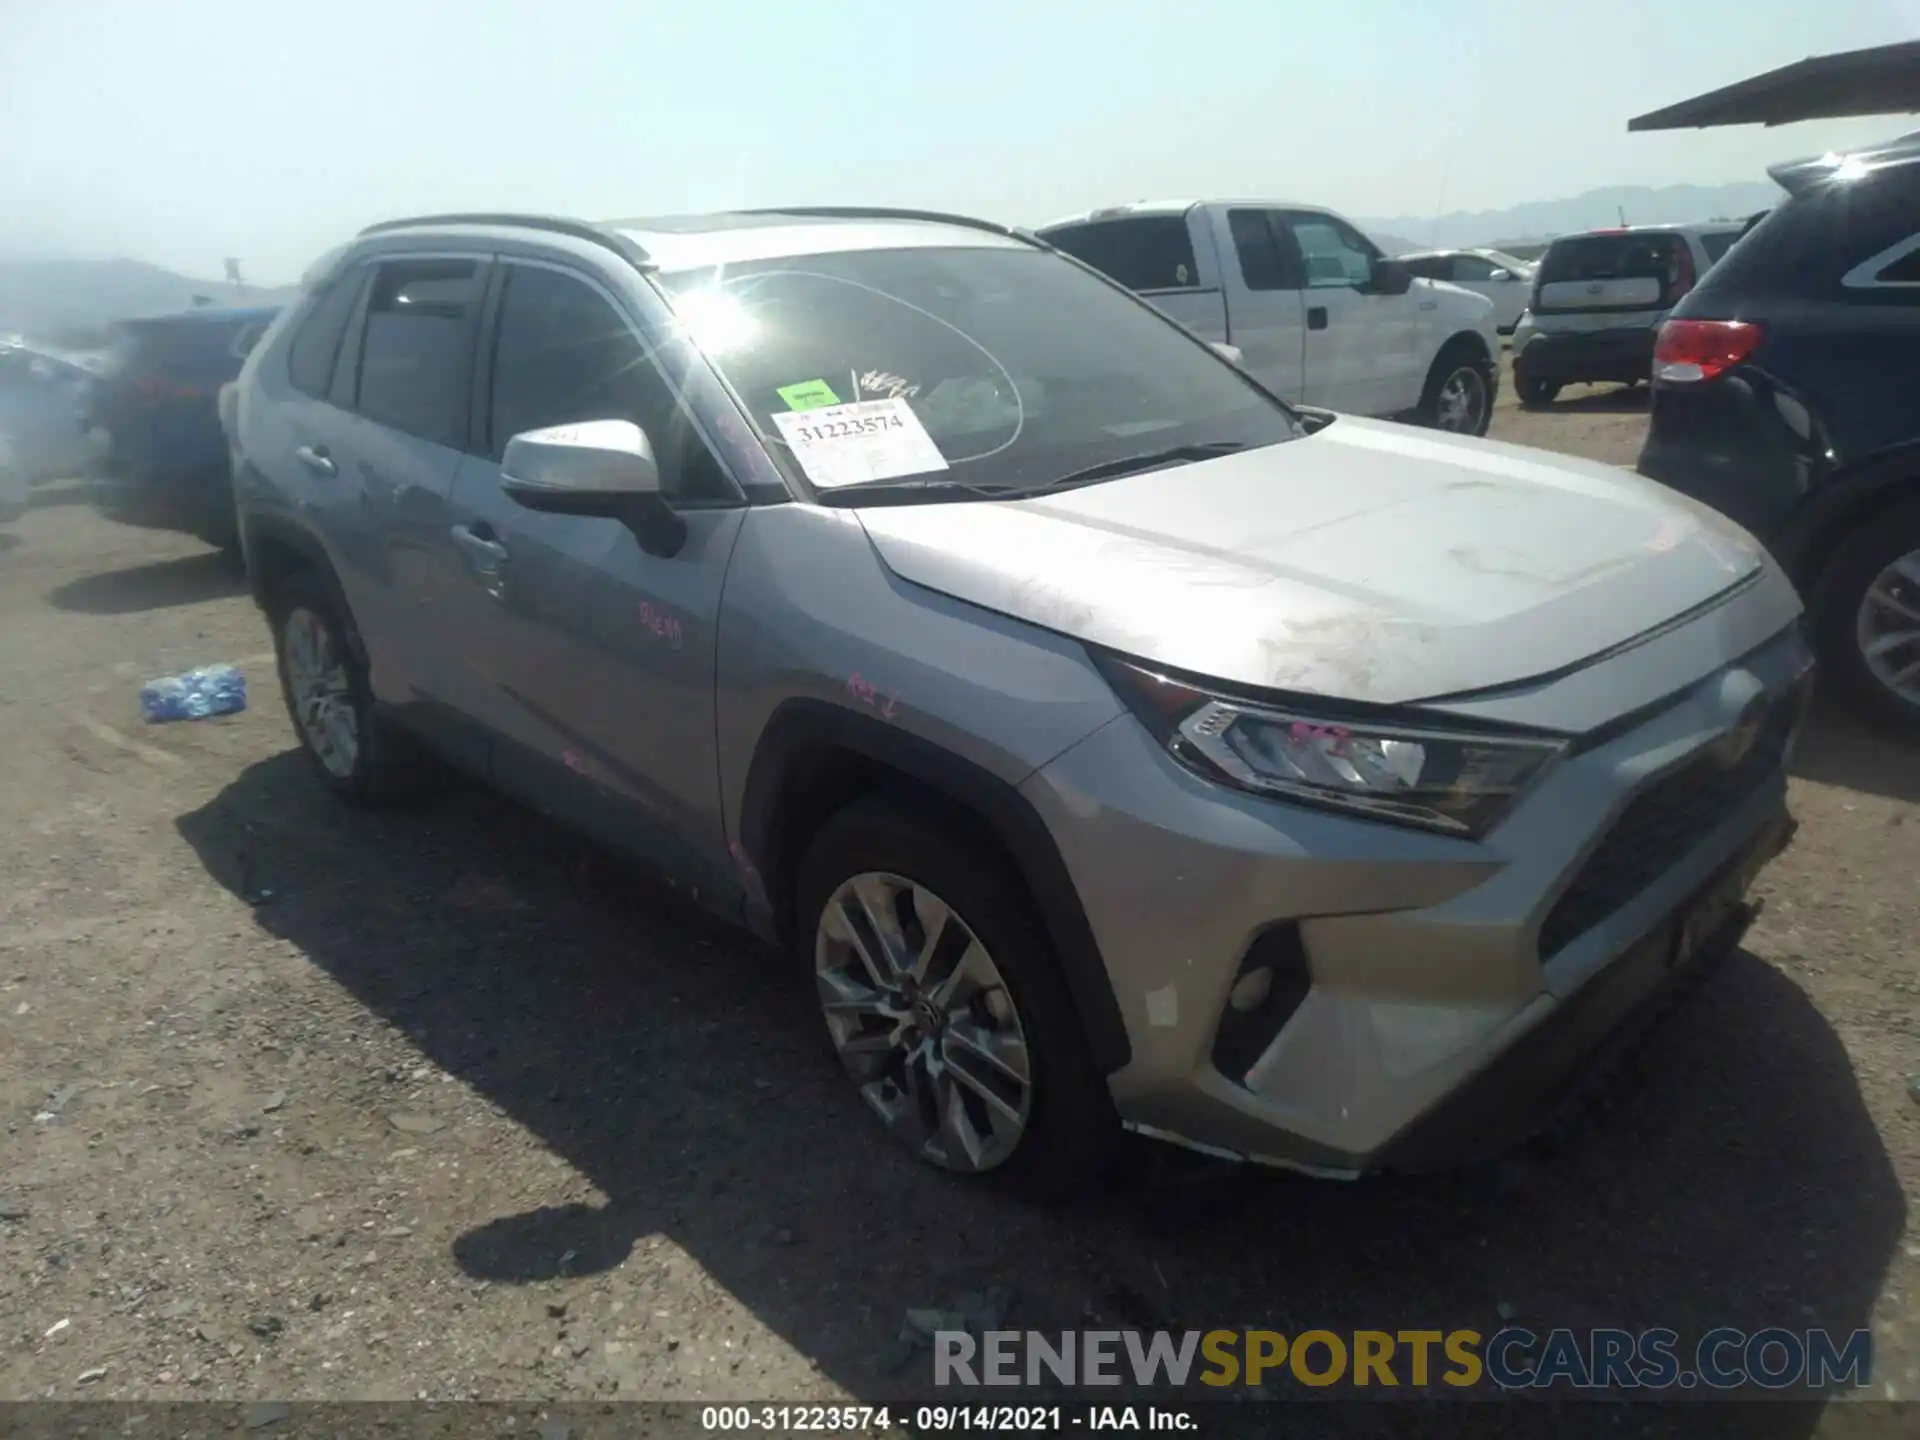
(944, 1005)
(1459, 394)
(1534, 393)
(1866, 613)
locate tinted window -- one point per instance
(316, 342)
(1808, 246)
(1019, 367)
(1475, 269)
(562, 353)
(1333, 251)
(1429, 267)
(1610, 257)
(1263, 264)
(413, 348)
(1147, 252)
(1903, 271)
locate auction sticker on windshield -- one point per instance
(855, 444)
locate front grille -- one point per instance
(1664, 822)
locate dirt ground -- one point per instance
(305, 1103)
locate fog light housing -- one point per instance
(1272, 980)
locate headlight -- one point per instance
(1460, 782)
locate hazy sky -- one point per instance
(182, 131)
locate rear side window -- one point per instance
(1256, 244)
(1848, 242)
(1144, 252)
(413, 349)
(316, 341)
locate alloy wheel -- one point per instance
(1887, 627)
(1462, 402)
(320, 691)
(924, 1022)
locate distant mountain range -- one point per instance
(1541, 220)
(72, 301)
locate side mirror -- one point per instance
(1229, 353)
(599, 468)
(1390, 277)
(1502, 275)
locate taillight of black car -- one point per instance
(1688, 352)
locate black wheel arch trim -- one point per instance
(1886, 478)
(799, 728)
(260, 534)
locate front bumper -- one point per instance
(1432, 997)
(1574, 357)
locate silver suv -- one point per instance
(1112, 744)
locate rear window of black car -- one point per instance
(1810, 243)
(189, 346)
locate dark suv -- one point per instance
(160, 457)
(1787, 395)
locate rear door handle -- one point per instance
(485, 552)
(316, 459)
(1316, 317)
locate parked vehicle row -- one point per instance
(1111, 741)
(1314, 309)
(1786, 394)
(1598, 299)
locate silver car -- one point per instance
(1112, 744)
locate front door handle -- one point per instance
(486, 552)
(1429, 304)
(316, 459)
(1316, 317)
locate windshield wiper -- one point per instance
(1111, 469)
(929, 486)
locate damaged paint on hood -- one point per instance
(1369, 561)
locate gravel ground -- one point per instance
(303, 1103)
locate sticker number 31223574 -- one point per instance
(859, 443)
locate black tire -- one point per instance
(1534, 394)
(1837, 598)
(1072, 1133)
(1463, 363)
(387, 766)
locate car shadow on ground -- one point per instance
(187, 580)
(1733, 1177)
(1599, 400)
(1839, 748)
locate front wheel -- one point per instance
(1534, 393)
(1459, 394)
(944, 1005)
(1867, 618)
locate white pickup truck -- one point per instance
(1314, 309)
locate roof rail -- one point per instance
(552, 224)
(885, 212)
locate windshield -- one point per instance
(988, 367)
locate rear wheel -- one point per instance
(1459, 394)
(1534, 393)
(944, 1006)
(354, 752)
(1867, 618)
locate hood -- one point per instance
(1456, 300)
(1369, 562)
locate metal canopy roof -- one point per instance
(1884, 80)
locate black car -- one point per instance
(160, 456)
(1786, 394)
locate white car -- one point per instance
(1309, 305)
(1504, 279)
